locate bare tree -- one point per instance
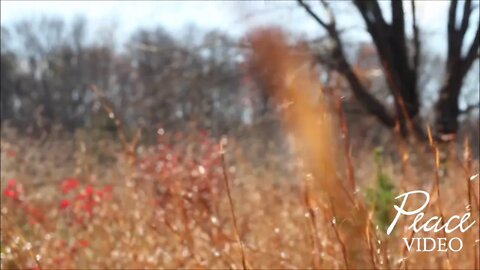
(46, 75)
(8, 77)
(400, 61)
(457, 67)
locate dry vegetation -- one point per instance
(193, 201)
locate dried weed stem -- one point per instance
(232, 208)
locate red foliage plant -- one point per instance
(194, 167)
(81, 202)
(13, 190)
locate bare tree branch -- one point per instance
(309, 10)
(371, 104)
(467, 10)
(454, 48)
(456, 69)
(398, 22)
(473, 51)
(390, 42)
(416, 40)
(376, 25)
(470, 108)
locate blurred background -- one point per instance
(178, 64)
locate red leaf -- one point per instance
(69, 184)
(64, 204)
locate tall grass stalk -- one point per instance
(232, 207)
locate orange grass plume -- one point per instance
(289, 77)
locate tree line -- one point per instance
(157, 79)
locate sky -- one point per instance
(230, 16)
(173, 15)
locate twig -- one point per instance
(369, 241)
(129, 146)
(232, 208)
(313, 224)
(348, 148)
(333, 222)
(436, 187)
(468, 170)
